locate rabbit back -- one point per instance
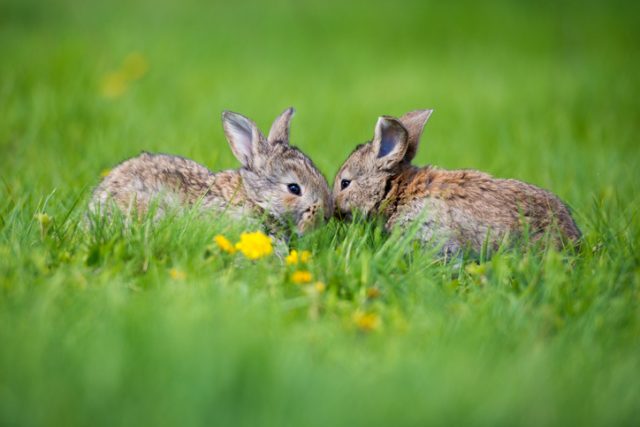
(168, 181)
(466, 209)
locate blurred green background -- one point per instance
(520, 88)
(93, 330)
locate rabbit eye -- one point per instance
(344, 183)
(294, 189)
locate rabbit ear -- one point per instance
(243, 136)
(389, 142)
(280, 128)
(414, 124)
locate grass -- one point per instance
(153, 325)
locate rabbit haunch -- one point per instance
(170, 181)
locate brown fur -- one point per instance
(459, 209)
(147, 178)
(260, 187)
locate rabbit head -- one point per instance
(276, 176)
(364, 179)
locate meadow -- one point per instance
(156, 325)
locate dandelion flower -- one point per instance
(44, 221)
(65, 256)
(366, 322)
(292, 258)
(135, 66)
(43, 218)
(476, 269)
(295, 257)
(176, 274)
(373, 293)
(255, 245)
(320, 287)
(301, 276)
(305, 256)
(105, 172)
(478, 272)
(114, 85)
(224, 244)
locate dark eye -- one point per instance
(344, 183)
(294, 189)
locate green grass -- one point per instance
(94, 330)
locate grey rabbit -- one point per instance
(276, 180)
(458, 209)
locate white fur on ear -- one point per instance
(241, 133)
(279, 131)
(414, 122)
(391, 138)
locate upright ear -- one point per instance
(389, 142)
(414, 123)
(243, 136)
(280, 128)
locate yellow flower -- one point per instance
(366, 322)
(116, 83)
(292, 258)
(135, 66)
(177, 274)
(319, 287)
(255, 245)
(301, 276)
(296, 257)
(105, 172)
(305, 256)
(224, 244)
(476, 269)
(65, 256)
(43, 219)
(478, 272)
(373, 293)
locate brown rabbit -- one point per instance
(458, 210)
(276, 181)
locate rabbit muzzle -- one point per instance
(310, 218)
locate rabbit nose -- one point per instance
(317, 213)
(309, 219)
(309, 213)
(312, 211)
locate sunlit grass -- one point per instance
(172, 322)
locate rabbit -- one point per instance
(458, 210)
(276, 182)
